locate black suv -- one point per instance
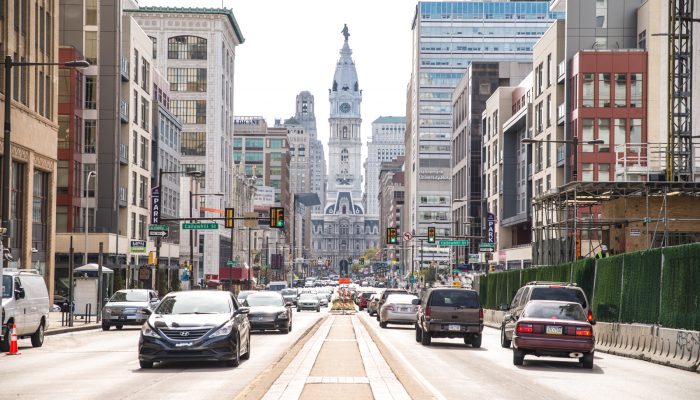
(559, 291)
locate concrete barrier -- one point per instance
(673, 347)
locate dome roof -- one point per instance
(345, 78)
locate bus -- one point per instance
(277, 286)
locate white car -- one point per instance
(25, 303)
(308, 301)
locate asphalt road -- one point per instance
(103, 365)
(454, 370)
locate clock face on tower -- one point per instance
(345, 108)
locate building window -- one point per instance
(601, 13)
(135, 148)
(620, 134)
(145, 75)
(134, 188)
(604, 90)
(587, 172)
(142, 227)
(635, 90)
(344, 155)
(603, 172)
(91, 47)
(17, 208)
(154, 43)
(187, 79)
(190, 111)
(194, 144)
(90, 136)
(144, 153)
(136, 66)
(40, 214)
(254, 143)
(143, 189)
(642, 40)
(90, 93)
(91, 12)
(587, 90)
(604, 134)
(620, 90)
(187, 48)
(635, 134)
(587, 134)
(145, 113)
(133, 224)
(345, 132)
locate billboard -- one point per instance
(264, 196)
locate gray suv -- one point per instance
(538, 290)
(124, 308)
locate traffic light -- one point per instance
(390, 235)
(431, 234)
(228, 218)
(152, 260)
(276, 217)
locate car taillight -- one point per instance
(481, 314)
(590, 315)
(427, 311)
(583, 331)
(524, 328)
(389, 307)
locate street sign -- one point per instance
(251, 219)
(413, 279)
(200, 225)
(407, 236)
(486, 247)
(491, 227)
(158, 227)
(162, 234)
(155, 205)
(230, 262)
(137, 246)
(473, 258)
(460, 242)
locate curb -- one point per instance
(70, 329)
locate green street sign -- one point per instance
(460, 242)
(486, 247)
(201, 225)
(230, 262)
(157, 227)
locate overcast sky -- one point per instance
(293, 45)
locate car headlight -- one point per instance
(224, 330)
(146, 330)
(107, 309)
(282, 315)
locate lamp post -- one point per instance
(91, 174)
(7, 143)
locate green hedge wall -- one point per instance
(680, 302)
(629, 288)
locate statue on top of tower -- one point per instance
(345, 32)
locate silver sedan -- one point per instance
(397, 309)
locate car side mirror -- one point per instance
(154, 300)
(415, 302)
(19, 293)
(504, 307)
(243, 310)
(592, 322)
(105, 300)
(145, 311)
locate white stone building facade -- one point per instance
(387, 145)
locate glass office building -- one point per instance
(447, 37)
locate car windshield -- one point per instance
(554, 310)
(194, 304)
(120, 296)
(367, 295)
(289, 292)
(455, 298)
(574, 295)
(6, 287)
(264, 300)
(308, 296)
(400, 298)
(243, 294)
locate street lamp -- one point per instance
(91, 174)
(7, 142)
(575, 142)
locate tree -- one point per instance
(370, 253)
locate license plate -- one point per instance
(554, 330)
(259, 318)
(123, 318)
(454, 328)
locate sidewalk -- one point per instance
(340, 362)
(79, 324)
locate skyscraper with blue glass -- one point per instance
(447, 37)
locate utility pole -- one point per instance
(250, 265)
(99, 284)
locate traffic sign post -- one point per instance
(486, 247)
(160, 234)
(200, 225)
(157, 230)
(453, 243)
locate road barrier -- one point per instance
(14, 350)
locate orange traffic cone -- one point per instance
(13, 342)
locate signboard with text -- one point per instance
(137, 246)
(155, 205)
(490, 228)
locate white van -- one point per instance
(25, 302)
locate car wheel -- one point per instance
(119, 327)
(587, 360)
(318, 309)
(298, 309)
(5, 343)
(419, 334)
(246, 356)
(383, 324)
(425, 338)
(505, 343)
(290, 326)
(378, 317)
(105, 327)
(236, 355)
(285, 330)
(145, 364)
(475, 341)
(38, 336)
(518, 357)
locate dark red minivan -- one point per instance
(554, 329)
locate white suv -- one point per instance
(25, 302)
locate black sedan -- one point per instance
(268, 311)
(196, 326)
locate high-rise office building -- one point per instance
(386, 145)
(306, 116)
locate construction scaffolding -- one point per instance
(575, 220)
